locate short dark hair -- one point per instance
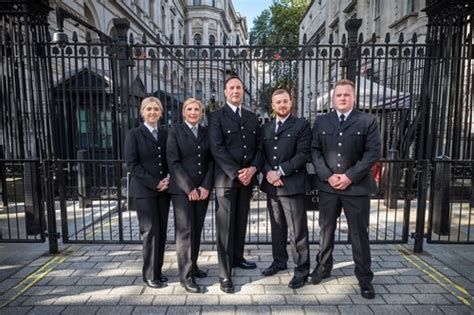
(232, 77)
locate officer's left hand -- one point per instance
(343, 182)
(246, 174)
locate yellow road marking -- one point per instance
(455, 289)
(37, 275)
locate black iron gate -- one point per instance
(69, 105)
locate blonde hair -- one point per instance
(151, 100)
(191, 101)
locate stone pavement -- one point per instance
(105, 279)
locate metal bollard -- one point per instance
(32, 205)
(441, 196)
(83, 179)
(392, 180)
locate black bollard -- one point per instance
(392, 180)
(441, 195)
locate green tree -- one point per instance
(278, 27)
(279, 24)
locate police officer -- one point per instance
(191, 169)
(286, 149)
(346, 145)
(234, 136)
(145, 154)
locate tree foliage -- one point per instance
(279, 24)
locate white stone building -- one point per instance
(325, 18)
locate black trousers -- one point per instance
(288, 214)
(356, 210)
(189, 220)
(232, 211)
(153, 222)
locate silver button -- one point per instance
(159, 148)
(245, 147)
(274, 148)
(199, 172)
(228, 131)
(242, 127)
(199, 164)
(275, 167)
(199, 146)
(358, 132)
(276, 138)
(161, 172)
(159, 164)
(199, 155)
(339, 154)
(324, 132)
(338, 165)
(245, 156)
(339, 144)
(274, 157)
(243, 137)
(340, 133)
(289, 135)
(296, 171)
(159, 155)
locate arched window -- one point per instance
(197, 39)
(212, 40)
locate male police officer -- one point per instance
(346, 144)
(235, 142)
(286, 149)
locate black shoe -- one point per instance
(297, 282)
(162, 278)
(199, 273)
(367, 291)
(245, 264)
(227, 286)
(191, 286)
(273, 269)
(318, 274)
(155, 284)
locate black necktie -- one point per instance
(341, 119)
(237, 113)
(279, 123)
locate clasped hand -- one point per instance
(163, 184)
(245, 174)
(274, 178)
(199, 193)
(339, 181)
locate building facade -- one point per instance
(382, 21)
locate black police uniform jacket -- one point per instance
(234, 145)
(189, 160)
(288, 148)
(352, 148)
(146, 161)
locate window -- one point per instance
(409, 7)
(197, 39)
(378, 5)
(196, 2)
(212, 40)
(199, 90)
(163, 20)
(151, 9)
